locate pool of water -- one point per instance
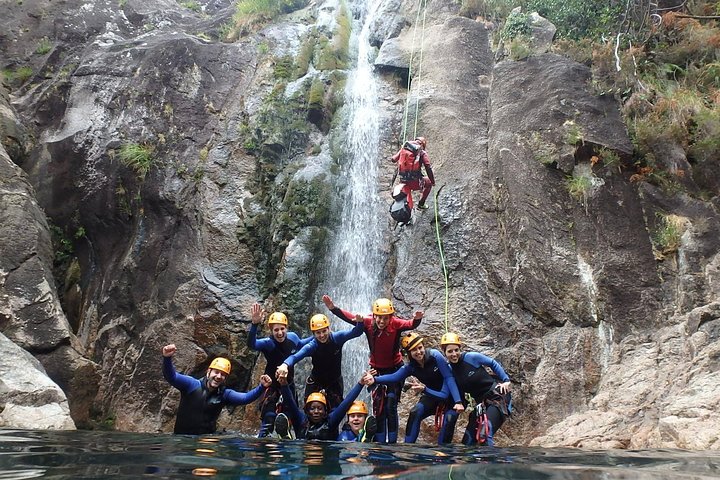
(40, 454)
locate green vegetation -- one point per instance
(516, 25)
(668, 232)
(191, 5)
(18, 76)
(250, 14)
(573, 133)
(44, 46)
(609, 158)
(137, 156)
(579, 187)
(62, 244)
(520, 49)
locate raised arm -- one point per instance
(233, 397)
(341, 314)
(184, 383)
(338, 413)
(396, 377)
(344, 335)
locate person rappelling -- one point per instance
(411, 159)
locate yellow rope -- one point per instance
(442, 261)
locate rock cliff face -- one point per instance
(549, 246)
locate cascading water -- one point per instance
(356, 259)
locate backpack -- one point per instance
(399, 209)
(409, 162)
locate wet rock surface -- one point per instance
(611, 341)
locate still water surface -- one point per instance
(34, 454)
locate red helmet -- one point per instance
(422, 142)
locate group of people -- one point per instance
(448, 381)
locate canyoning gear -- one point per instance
(385, 357)
(199, 406)
(326, 373)
(318, 322)
(328, 428)
(316, 397)
(478, 387)
(409, 162)
(358, 406)
(450, 339)
(422, 142)
(275, 354)
(440, 387)
(367, 434)
(383, 306)
(282, 426)
(422, 206)
(400, 210)
(222, 364)
(277, 317)
(410, 341)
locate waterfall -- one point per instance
(355, 262)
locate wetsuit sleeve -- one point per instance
(252, 342)
(425, 160)
(232, 397)
(477, 359)
(404, 325)
(449, 384)
(344, 335)
(344, 315)
(297, 416)
(396, 377)
(305, 351)
(305, 341)
(184, 383)
(338, 413)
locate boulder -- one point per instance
(28, 398)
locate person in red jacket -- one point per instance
(411, 158)
(383, 330)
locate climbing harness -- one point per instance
(439, 417)
(482, 435)
(378, 399)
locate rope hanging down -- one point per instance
(442, 261)
(421, 9)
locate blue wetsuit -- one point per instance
(472, 379)
(199, 407)
(275, 354)
(347, 435)
(328, 428)
(440, 387)
(326, 371)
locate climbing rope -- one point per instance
(421, 9)
(442, 261)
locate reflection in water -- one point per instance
(30, 454)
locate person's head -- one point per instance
(277, 322)
(320, 327)
(217, 372)
(357, 413)
(422, 142)
(450, 344)
(412, 344)
(383, 311)
(316, 407)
